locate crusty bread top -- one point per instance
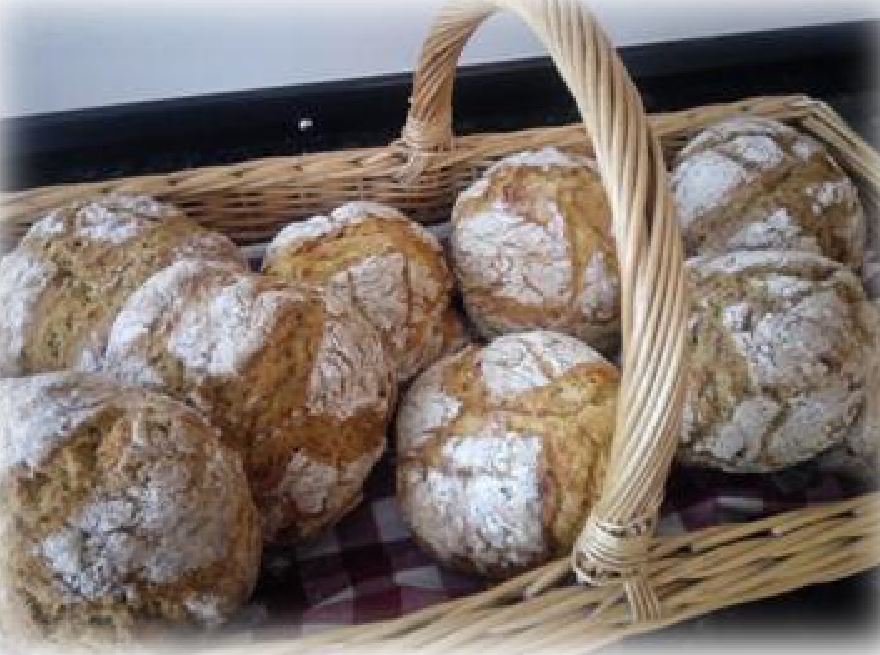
(780, 340)
(533, 248)
(502, 450)
(863, 441)
(301, 236)
(388, 267)
(295, 378)
(66, 280)
(119, 505)
(755, 183)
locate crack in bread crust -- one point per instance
(130, 513)
(779, 346)
(294, 378)
(533, 248)
(496, 476)
(93, 255)
(391, 268)
(754, 183)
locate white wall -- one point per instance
(68, 55)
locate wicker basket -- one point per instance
(636, 582)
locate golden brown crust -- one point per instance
(447, 337)
(122, 511)
(296, 381)
(533, 248)
(780, 347)
(863, 441)
(388, 267)
(502, 450)
(77, 265)
(754, 183)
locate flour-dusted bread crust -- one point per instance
(863, 441)
(295, 379)
(447, 337)
(388, 267)
(858, 457)
(754, 183)
(121, 511)
(62, 286)
(502, 450)
(533, 248)
(780, 347)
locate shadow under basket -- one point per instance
(626, 580)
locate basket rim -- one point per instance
(666, 124)
(24, 205)
(191, 188)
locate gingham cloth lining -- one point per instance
(368, 568)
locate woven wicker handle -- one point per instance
(616, 536)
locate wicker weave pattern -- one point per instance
(252, 200)
(693, 574)
(630, 161)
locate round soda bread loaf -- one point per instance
(122, 513)
(502, 450)
(296, 381)
(780, 346)
(754, 183)
(387, 266)
(533, 248)
(62, 286)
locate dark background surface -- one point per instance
(835, 63)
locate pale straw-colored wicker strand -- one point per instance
(630, 163)
(251, 200)
(703, 558)
(618, 532)
(864, 161)
(732, 559)
(745, 582)
(693, 573)
(296, 187)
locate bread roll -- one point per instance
(780, 342)
(121, 512)
(384, 264)
(62, 286)
(754, 183)
(533, 248)
(502, 450)
(296, 381)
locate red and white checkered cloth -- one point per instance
(365, 569)
(368, 568)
